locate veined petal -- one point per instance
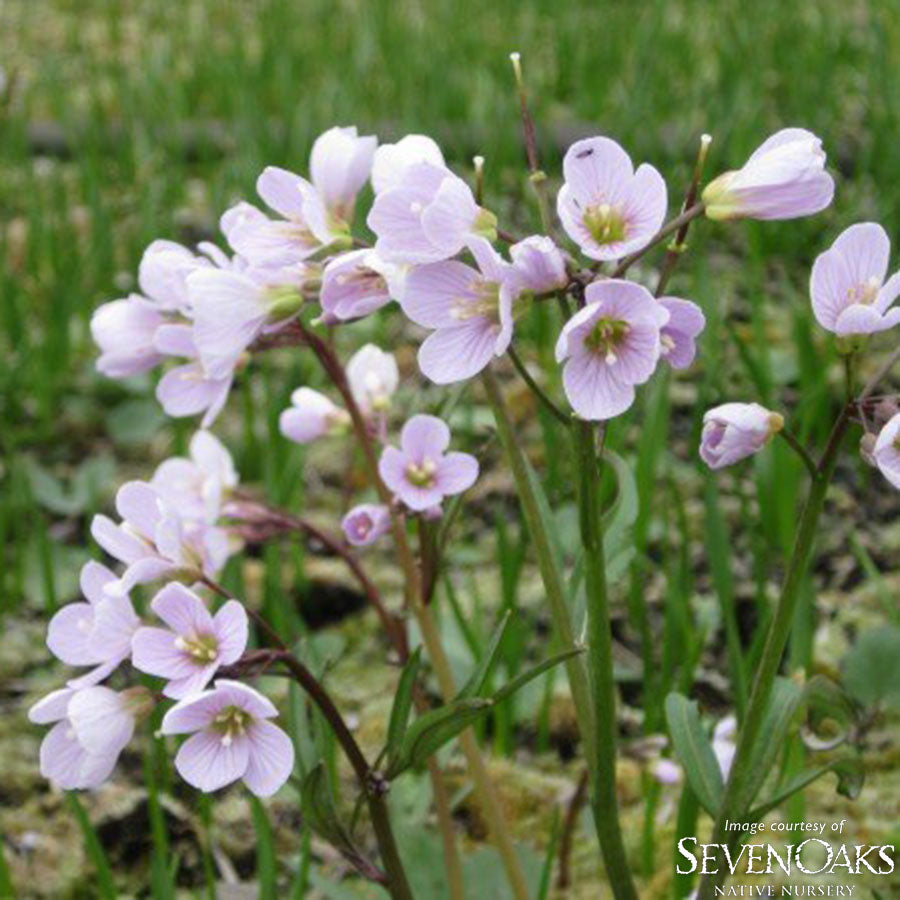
(457, 353)
(206, 763)
(594, 393)
(271, 759)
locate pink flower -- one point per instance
(231, 738)
(886, 452)
(734, 431)
(231, 309)
(154, 541)
(357, 283)
(96, 633)
(428, 217)
(469, 309)
(365, 523)
(538, 265)
(194, 646)
(847, 286)
(90, 729)
(609, 346)
(197, 487)
(124, 329)
(392, 160)
(605, 206)
(421, 473)
(313, 215)
(785, 178)
(723, 744)
(679, 334)
(373, 378)
(311, 416)
(187, 390)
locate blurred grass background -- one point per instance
(126, 121)
(121, 122)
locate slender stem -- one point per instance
(536, 389)
(679, 245)
(794, 443)
(883, 372)
(672, 226)
(284, 521)
(372, 786)
(538, 178)
(573, 811)
(600, 669)
(735, 801)
(550, 574)
(483, 784)
(374, 790)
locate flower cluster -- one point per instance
(169, 529)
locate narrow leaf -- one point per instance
(475, 685)
(694, 751)
(403, 702)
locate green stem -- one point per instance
(734, 801)
(600, 670)
(550, 574)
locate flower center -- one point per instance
(606, 337)
(201, 648)
(230, 723)
(485, 303)
(605, 224)
(421, 474)
(866, 292)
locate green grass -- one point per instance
(130, 121)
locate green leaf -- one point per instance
(475, 684)
(266, 868)
(872, 668)
(781, 712)
(321, 814)
(521, 680)
(619, 519)
(433, 729)
(104, 884)
(403, 702)
(830, 713)
(849, 771)
(694, 752)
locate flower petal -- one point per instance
(206, 763)
(271, 759)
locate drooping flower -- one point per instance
(357, 283)
(847, 285)
(609, 346)
(365, 523)
(538, 265)
(231, 738)
(678, 336)
(96, 633)
(784, 178)
(421, 473)
(124, 329)
(153, 541)
(186, 390)
(373, 378)
(313, 215)
(734, 431)
(886, 452)
(90, 729)
(311, 416)
(606, 206)
(194, 646)
(231, 309)
(392, 160)
(429, 216)
(469, 309)
(197, 486)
